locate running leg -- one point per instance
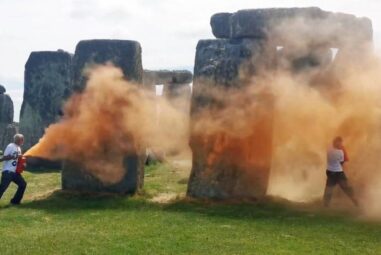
(344, 185)
(330, 184)
(6, 179)
(21, 183)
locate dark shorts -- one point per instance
(334, 178)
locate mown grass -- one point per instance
(54, 222)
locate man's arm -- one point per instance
(9, 157)
(9, 154)
(342, 157)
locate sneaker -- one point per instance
(15, 203)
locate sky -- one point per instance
(168, 30)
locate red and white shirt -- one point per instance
(12, 150)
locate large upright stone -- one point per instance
(127, 56)
(7, 130)
(7, 133)
(47, 83)
(227, 165)
(124, 54)
(230, 160)
(2, 89)
(6, 109)
(231, 63)
(76, 177)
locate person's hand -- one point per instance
(23, 158)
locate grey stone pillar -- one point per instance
(47, 82)
(7, 128)
(127, 56)
(241, 168)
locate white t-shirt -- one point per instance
(334, 159)
(11, 150)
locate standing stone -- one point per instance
(6, 109)
(76, 177)
(7, 129)
(127, 56)
(2, 89)
(7, 133)
(121, 53)
(47, 83)
(231, 63)
(226, 166)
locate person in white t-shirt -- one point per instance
(336, 157)
(11, 156)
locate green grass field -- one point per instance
(162, 221)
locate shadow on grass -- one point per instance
(43, 171)
(264, 209)
(60, 202)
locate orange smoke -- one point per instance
(306, 120)
(308, 110)
(113, 117)
(109, 120)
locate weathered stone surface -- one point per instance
(227, 165)
(42, 164)
(47, 83)
(6, 134)
(220, 23)
(332, 29)
(6, 109)
(121, 53)
(7, 128)
(239, 168)
(297, 60)
(2, 89)
(75, 177)
(230, 63)
(127, 56)
(167, 77)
